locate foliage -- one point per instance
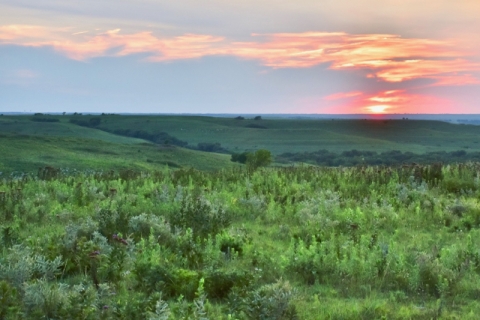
(261, 158)
(389, 158)
(211, 147)
(278, 243)
(157, 137)
(37, 119)
(240, 157)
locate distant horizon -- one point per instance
(226, 113)
(449, 117)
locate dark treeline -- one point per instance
(158, 137)
(37, 119)
(394, 157)
(41, 117)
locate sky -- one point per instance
(224, 56)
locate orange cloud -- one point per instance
(389, 58)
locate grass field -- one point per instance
(26, 144)
(302, 243)
(293, 135)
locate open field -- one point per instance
(27, 145)
(290, 135)
(291, 243)
(111, 143)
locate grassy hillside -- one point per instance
(26, 145)
(28, 153)
(291, 135)
(109, 143)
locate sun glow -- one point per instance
(378, 108)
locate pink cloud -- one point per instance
(388, 58)
(342, 95)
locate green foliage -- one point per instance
(92, 122)
(346, 243)
(261, 158)
(9, 308)
(388, 158)
(271, 301)
(240, 157)
(199, 215)
(211, 147)
(38, 119)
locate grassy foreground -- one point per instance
(292, 243)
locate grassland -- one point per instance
(277, 243)
(292, 135)
(26, 145)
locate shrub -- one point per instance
(219, 283)
(9, 306)
(201, 216)
(272, 301)
(261, 158)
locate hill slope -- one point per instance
(292, 135)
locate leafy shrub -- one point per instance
(261, 158)
(44, 299)
(201, 216)
(271, 301)
(219, 283)
(144, 224)
(240, 157)
(455, 184)
(9, 306)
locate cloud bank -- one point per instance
(388, 58)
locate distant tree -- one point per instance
(261, 158)
(211, 147)
(239, 118)
(257, 118)
(240, 157)
(93, 122)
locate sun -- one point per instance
(378, 108)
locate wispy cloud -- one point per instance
(388, 58)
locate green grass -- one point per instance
(297, 243)
(26, 144)
(28, 153)
(292, 135)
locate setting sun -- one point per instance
(378, 108)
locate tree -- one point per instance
(240, 157)
(261, 158)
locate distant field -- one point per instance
(26, 144)
(291, 135)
